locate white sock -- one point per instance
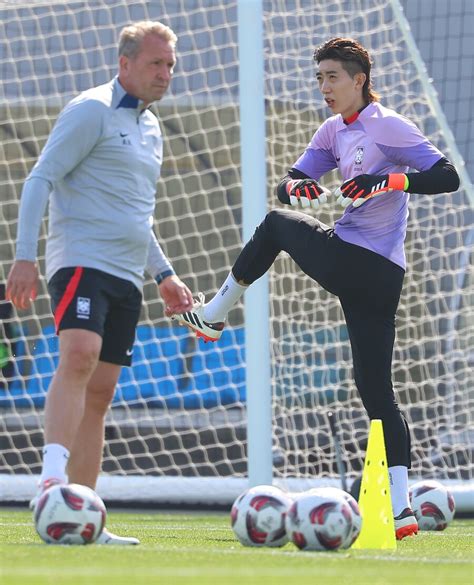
(55, 458)
(399, 488)
(224, 299)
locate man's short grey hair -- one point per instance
(131, 37)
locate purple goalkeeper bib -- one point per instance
(378, 141)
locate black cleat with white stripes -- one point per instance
(194, 321)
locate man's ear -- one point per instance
(360, 79)
(123, 64)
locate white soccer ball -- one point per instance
(258, 516)
(433, 505)
(354, 507)
(69, 514)
(319, 522)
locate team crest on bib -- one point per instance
(359, 156)
(83, 308)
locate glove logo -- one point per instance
(359, 156)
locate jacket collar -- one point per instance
(122, 99)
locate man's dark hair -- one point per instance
(354, 59)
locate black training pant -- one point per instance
(368, 286)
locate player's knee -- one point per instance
(99, 397)
(79, 361)
(272, 218)
(270, 226)
(79, 352)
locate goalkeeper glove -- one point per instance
(306, 192)
(364, 187)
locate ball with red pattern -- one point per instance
(319, 522)
(69, 514)
(258, 516)
(432, 504)
(354, 507)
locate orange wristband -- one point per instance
(398, 182)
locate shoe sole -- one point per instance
(199, 334)
(405, 531)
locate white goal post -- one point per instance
(194, 423)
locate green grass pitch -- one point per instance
(199, 549)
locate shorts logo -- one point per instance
(83, 308)
(359, 155)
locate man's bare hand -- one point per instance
(176, 295)
(22, 284)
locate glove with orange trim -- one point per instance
(363, 187)
(306, 193)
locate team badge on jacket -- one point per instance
(359, 155)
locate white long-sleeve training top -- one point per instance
(99, 169)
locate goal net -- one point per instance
(177, 425)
